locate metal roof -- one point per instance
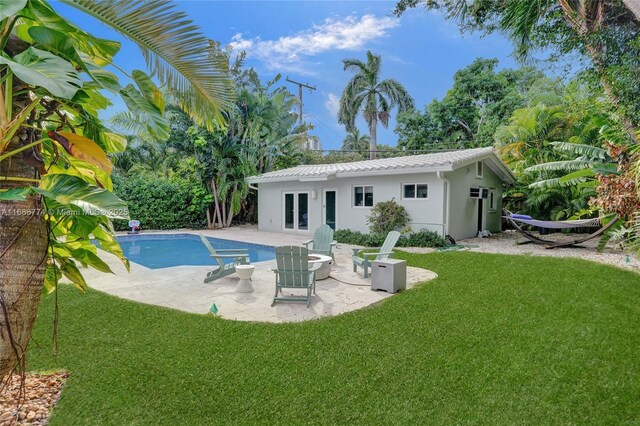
(425, 163)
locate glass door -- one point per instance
(303, 211)
(289, 213)
(330, 208)
(296, 211)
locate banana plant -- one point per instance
(589, 161)
(55, 185)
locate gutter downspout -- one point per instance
(447, 204)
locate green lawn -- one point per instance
(495, 339)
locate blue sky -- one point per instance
(306, 41)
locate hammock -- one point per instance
(517, 220)
(561, 224)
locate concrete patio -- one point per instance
(182, 287)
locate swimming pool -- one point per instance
(167, 250)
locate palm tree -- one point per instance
(355, 141)
(181, 58)
(587, 18)
(374, 98)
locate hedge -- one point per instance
(415, 239)
(160, 203)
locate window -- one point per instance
(492, 199)
(414, 191)
(363, 196)
(479, 169)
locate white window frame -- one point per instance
(403, 198)
(295, 211)
(493, 193)
(481, 174)
(353, 196)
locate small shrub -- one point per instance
(422, 238)
(357, 238)
(387, 216)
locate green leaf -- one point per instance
(606, 169)
(91, 100)
(106, 79)
(55, 42)
(89, 258)
(581, 149)
(14, 194)
(157, 125)
(570, 165)
(114, 142)
(71, 271)
(100, 51)
(109, 244)
(576, 176)
(51, 278)
(72, 190)
(43, 69)
(148, 89)
(11, 7)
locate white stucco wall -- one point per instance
(425, 213)
(464, 210)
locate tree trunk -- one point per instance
(230, 216)
(23, 250)
(373, 146)
(224, 214)
(209, 223)
(216, 203)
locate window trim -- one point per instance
(492, 191)
(403, 198)
(353, 196)
(481, 174)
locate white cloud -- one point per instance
(332, 104)
(288, 53)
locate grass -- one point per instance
(495, 339)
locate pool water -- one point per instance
(167, 250)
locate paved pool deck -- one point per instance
(182, 287)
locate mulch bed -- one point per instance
(40, 394)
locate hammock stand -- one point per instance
(517, 221)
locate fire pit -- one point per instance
(325, 269)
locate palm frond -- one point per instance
(397, 94)
(184, 59)
(519, 20)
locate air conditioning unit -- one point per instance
(479, 193)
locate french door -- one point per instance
(296, 211)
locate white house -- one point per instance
(457, 193)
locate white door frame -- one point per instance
(295, 211)
(324, 204)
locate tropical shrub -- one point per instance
(421, 238)
(160, 203)
(387, 216)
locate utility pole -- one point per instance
(300, 86)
